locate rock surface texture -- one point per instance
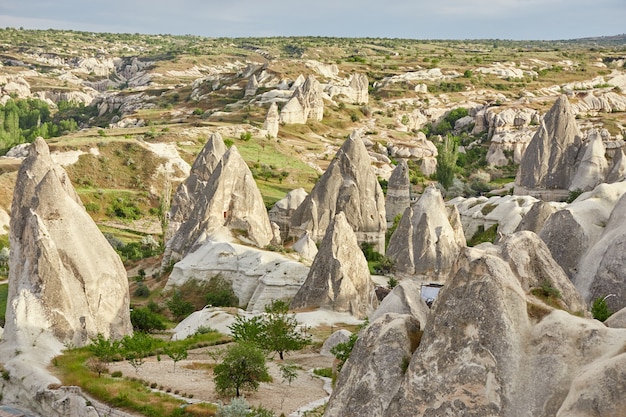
(65, 282)
(305, 104)
(281, 212)
(272, 121)
(230, 205)
(398, 196)
(492, 347)
(551, 159)
(192, 189)
(429, 237)
(339, 278)
(349, 185)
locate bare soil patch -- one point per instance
(193, 378)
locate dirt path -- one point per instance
(193, 377)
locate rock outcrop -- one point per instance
(66, 283)
(283, 209)
(306, 103)
(339, 278)
(272, 121)
(398, 196)
(231, 205)
(429, 237)
(593, 164)
(256, 276)
(490, 347)
(192, 189)
(552, 157)
(601, 269)
(349, 185)
(419, 149)
(356, 92)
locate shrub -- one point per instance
(141, 291)
(117, 374)
(600, 309)
(145, 320)
(179, 307)
(220, 293)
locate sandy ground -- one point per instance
(192, 376)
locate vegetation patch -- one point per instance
(4, 293)
(482, 235)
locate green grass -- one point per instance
(128, 394)
(482, 235)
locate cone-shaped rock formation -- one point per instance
(339, 278)
(65, 279)
(349, 185)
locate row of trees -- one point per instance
(24, 120)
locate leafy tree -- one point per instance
(275, 331)
(176, 354)
(446, 161)
(136, 348)
(179, 307)
(145, 320)
(104, 349)
(243, 368)
(600, 309)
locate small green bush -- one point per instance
(143, 319)
(600, 309)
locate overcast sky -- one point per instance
(417, 19)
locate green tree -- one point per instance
(179, 307)
(242, 368)
(104, 349)
(176, 354)
(446, 161)
(275, 331)
(145, 320)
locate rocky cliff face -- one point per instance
(551, 159)
(65, 281)
(429, 237)
(339, 278)
(348, 185)
(231, 205)
(491, 347)
(191, 190)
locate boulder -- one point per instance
(425, 242)
(398, 196)
(66, 283)
(339, 278)
(405, 298)
(536, 217)
(340, 336)
(191, 190)
(552, 157)
(231, 206)
(272, 120)
(306, 247)
(283, 209)
(349, 185)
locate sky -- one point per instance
(413, 19)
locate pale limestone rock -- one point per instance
(306, 247)
(192, 189)
(256, 276)
(425, 242)
(349, 185)
(373, 372)
(340, 336)
(405, 298)
(356, 91)
(398, 196)
(214, 317)
(600, 270)
(339, 278)
(272, 120)
(551, 158)
(306, 103)
(570, 232)
(617, 319)
(231, 204)
(481, 212)
(536, 217)
(593, 165)
(281, 212)
(66, 282)
(617, 171)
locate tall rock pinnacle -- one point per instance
(65, 279)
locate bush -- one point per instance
(141, 291)
(600, 309)
(179, 307)
(220, 293)
(143, 319)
